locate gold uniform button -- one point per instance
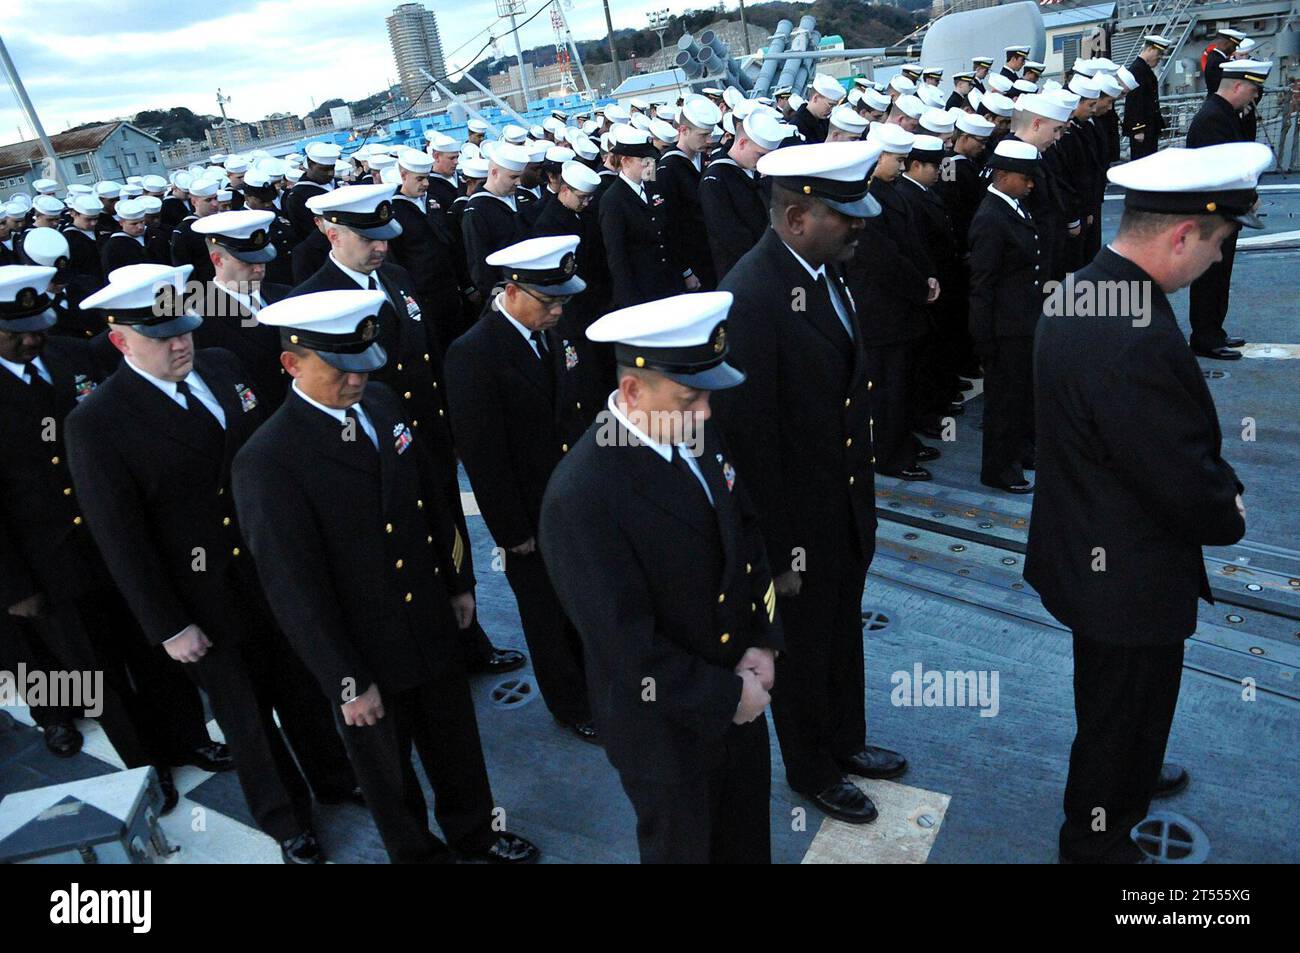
(564, 448)
(725, 638)
(722, 597)
(399, 564)
(235, 551)
(429, 540)
(870, 384)
(873, 459)
(849, 442)
(753, 607)
(407, 395)
(221, 491)
(399, 367)
(850, 481)
(225, 521)
(426, 360)
(748, 569)
(76, 521)
(67, 491)
(54, 461)
(435, 385)
(388, 527)
(441, 412)
(409, 597)
(579, 405)
(436, 570)
(871, 421)
(419, 504)
(847, 401)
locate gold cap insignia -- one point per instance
(719, 339)
(258, 238)
(26, 298)
(569, 263)
(384, 211)
(368, 329)
(1211, 207)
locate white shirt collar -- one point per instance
(923, 188)
(499, 302)
(815, 274)
(169, 387)
(20, 370)
(636, 187)
(362, 280)
(1006, 198)
(664, 450)
(508, 199)
(339, 415)
(243, 299)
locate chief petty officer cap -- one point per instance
(1016, 50)
(24, 304)
(340, 326)
(1211, 180)
(932, 71)
(1252, 71)
(965, 74)
(629, 141)
(366, 209)
(147, 298)
(1161, 43)
(1232, 34)
(243, 233)
(548, 264)
(683, 337)
(1015, 156)
(833, 172)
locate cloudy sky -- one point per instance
(83, 60)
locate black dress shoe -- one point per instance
(498, 662)
(1234, 342)
(171, 797)
(1219, 354)
(1020, 487)
(585, 730)
(63, 740)
(213, 756)
(911, 474)
(845, 801)
(926, 454)
(302, 849)
(506, 849)
(343, 797)
(1029, 463)
(1173, 778)
(873, 762)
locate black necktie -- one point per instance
(200, 414)
(372, 285)
(539, 341)
(680, 463)
(34, 376)
(359, 435)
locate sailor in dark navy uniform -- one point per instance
(678, 180)
(1143, 121)
(369, 573)
(1016, 57)
(491, 220)
(731, 192)
(812, 119)
(127, 245)
(317, 177)
(83, 248)
(962, 83)
(188, 248)
(657, 556)
(260, 195)
(980, 66)
(1225, 44)
(1132, 484)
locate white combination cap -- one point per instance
(682, 337)
(340, 326)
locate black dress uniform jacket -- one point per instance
(174, 209)
(488, 224)
(1214, 123)
(592, 266)
(642, 264)
(87, 264)
(1214, 61)
(678, 181)
(228, 324)
(1006, 275)
(1129, 460)
(121, 249)
(358, 580)
(1142, 110)
(295, 207)
(425, 249)
(962, 189)
(810, 127)
(661, 585)
(735, 205)
(890, 269)
(309, 255)
(190, 248)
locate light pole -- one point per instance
(660, 21)
(225, 123)
(511, 9)
(613, 50)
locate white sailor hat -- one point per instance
(341, 326)
(1211, 180)
(151, 204)
(15, 209)
(701, 112)
(553, 125)
(999, 83)
(25, 305)
(666, 112)
(1251, 71)
(323, 153)
(204, 188)
(910, 106)
(468, 151)
(244, 233)
(148, 298)
(131, 191)
(413, 160)
(640, 121)
(847, 118)
(514, 134)
(225, 194)
(796, 101)
(537, 132)
(509, 156)
(548, 264)
(1022, 86)
(154, 183)
(764, 131)
(743, 108)
(833, 172)
(438, 142)
(1014, 156)
(975, 97)
(617, 113)
(86, 205)
(1104, 64)
(473, 168)
(478, 126)
(1084, 87)
(927, 149)
(391, 176)
(537, 149)
(590, 127)
(49, 248)
(46, 186)
(274, 169)
(47, 205)
(1084, 67)
(1049, 106)
(236, 164)
(663, 131)
(855, 96)
(1231, 33)
(731, 96)
(108, 189)
(626, 140)
(1016, 50)
(258, 184)
(640, 104)
(292, 174)
(579, 177)
(874, 100)
(1066, 98)
(931, 96)
(937, 121)
(380, 161)
(366, 209)
(584, 147)
(828, 86)
(217, 157)
(76, 188)
(181, 179)
(1246, 45)
(891, 137)
(973, 125)
(555, 158)
(1125, 76)
(683, 337)
(130, 210)
(1109, 85)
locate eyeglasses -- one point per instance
(548, 303)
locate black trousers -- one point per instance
(819, 701)
(890, 368)
(722, 816)
(1148, 145)
(246, 684)
(21, 644)
(553, 642)
(1008, 410)
(437, 717)
(1124, 700)
(475, 646)
(1209, 300)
